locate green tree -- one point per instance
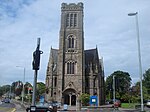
(4, 89)
(122, 85)
(85, 98)
(146, 80)
(26, 87)
(41, 88)
(16, 88)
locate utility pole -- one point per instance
(36, 66)
(114, 89)
(139, 56)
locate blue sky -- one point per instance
(106, 24)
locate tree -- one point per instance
(4, 89)
(41, 88)
(122, 84)
(27, 86)
(17, 87)
(85, 98)
(146, 80)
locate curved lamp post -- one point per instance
(139, 55)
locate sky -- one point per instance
(106, 25)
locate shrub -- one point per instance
(85, 98)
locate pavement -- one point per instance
(104, 108)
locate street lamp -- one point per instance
(139, 55)
(23, 82)
(114, 94)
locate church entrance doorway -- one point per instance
(70, 97)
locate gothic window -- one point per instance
(70, 67)
(71, 20)
(71, 42)
(67, 21)
(75, 19)
(55, 81)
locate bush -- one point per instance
(85, 98)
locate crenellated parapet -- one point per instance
(72, 6)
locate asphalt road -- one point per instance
(7, 107)
(17, 107)
(11, 107)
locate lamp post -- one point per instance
(23, 82)
(139, 55)
(114, 94)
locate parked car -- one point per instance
(55, 103)
(148, 103)
(117, 103)
(39, 108)
(3, 100)
(7, 100)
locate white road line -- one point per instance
(14, 110)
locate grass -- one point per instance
(128, 105)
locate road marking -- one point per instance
(14, 110)
(3, 109)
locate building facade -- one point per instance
(72, 70)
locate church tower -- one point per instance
(70, 54)
(66, 65)
(71, 70)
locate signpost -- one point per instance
(36, 67)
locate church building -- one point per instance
(71, 69)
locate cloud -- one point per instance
(106, 25)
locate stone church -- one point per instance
(71, 69)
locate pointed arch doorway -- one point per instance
(69, 97)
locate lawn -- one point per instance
(128, 105)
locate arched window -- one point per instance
(70, 67)
(71, 41)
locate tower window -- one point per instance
(71, 41)
(71, 20)
(75, 19)
(67, 21)
(70, 67)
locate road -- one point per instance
(11, 107)
(7, 107)
(17, 107)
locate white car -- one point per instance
(148, 103)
